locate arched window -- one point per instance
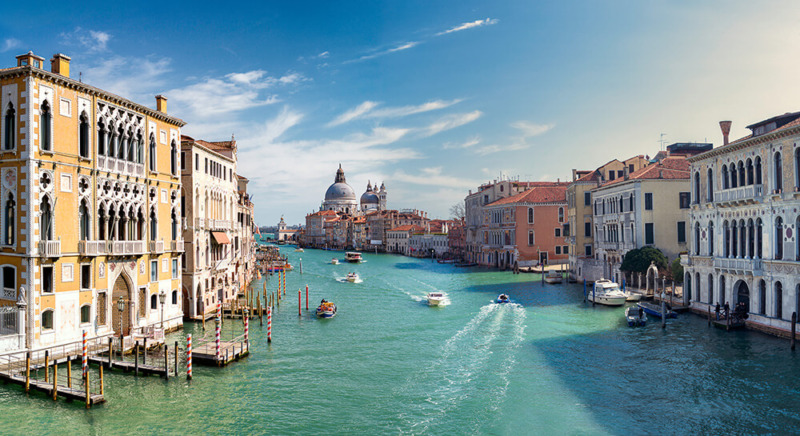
(778, 172)
(696, 188)
(531, 239)
(122, 143)
(630, 200)
(725, 177)
(734, 238)
(758, 170)
(154, 302)
(174, 297)
(152, 152)
(530, 215)
(711, 238)
(174, 226)
(710, 289)
(797, 172)
(762, 297)
(86, 313)
(734, 179)
(759, 238)
(721, 298)
(778, 238)
(83, 211)
(710, 196)
(751, 239)
(47, 319)
(101, 224)
(101, 138)
(139, 149)
(153, 225)
(9, 137)
(113, 142)
(742, 179)
(46, 220)
(750, 171)
(621, 204)
(726, 239)
(173, 159)
(10, 221)
(46, 127)
(778, 300)
(83, 133)
(697, 238)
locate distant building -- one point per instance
(284, 233)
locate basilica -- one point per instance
(340, 197)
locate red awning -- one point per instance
(221, 237)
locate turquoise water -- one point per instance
(389, 364)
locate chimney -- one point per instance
(625, 173)
(726, 129)
(59, 64)
(161, 103)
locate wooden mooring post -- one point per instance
(110, 352)
(102, 390)
(176, 358)
(27, 372)
(46, 366)
(709, 315)
(794, 328)
(69, 371)
(136, 359)
(166, 362)
(88, 391)
(55, 382)
(663, 312)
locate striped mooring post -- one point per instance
(247, 330)
(189, 357)
(85, 362)
(269, 324)
(219, 325)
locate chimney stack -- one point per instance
(161, 103)
(726, 130)
(625, 173)
(59, 64)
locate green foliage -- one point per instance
(638, 260)
(677, 270)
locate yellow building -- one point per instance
(91, 195)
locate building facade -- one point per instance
(108, 168)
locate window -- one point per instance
(561, 214)
(558, 249)
(710, 238)
(174, 268)
(9, 137)
(9, 218)
(83, 140)
(86, 276)
(153, 225)
(648, 201)
(649, 236)
(681, 232)
(530, 215)
(183, 160)
(710, 197)
(46, 127)
(587, 198)
(102, 307)
(142, 302)
(587, 249)
(154, 302)
(779, 238)
(86, 311)
(630, 168)
(152, 152)
(697, 240)
(587, 229)
(778, 173)
(47, 279)
(174, 226)
(778, 300)
(9, 281)
(46, 220)
(173, 159)
(558, 232)
(531, 239)
(612, 175)
(47, 320)
(174, 297)
(197, 162)
(154, 271)
(566, 229)
(565, 249)
(83, 211)
(683, 202)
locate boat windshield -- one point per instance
(435, 294)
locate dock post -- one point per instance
(593, 295)
(584, 290)
(102, 390)
(217, 341)
(306, 297)
(299, 303)
(144, 354)
(269, 324)
(136, 359)
(663, 312)
(88, 392)
(176, 358)
(27, 372)
(46, 366)
(247, 327)
(69, 371)
(166, 361)
(55, 382)
(794, 327)
(110, 352)
(85, 355)
(189, 357)
(709, 315)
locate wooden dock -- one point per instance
(47, 388)
(230, 351)
(130, 366)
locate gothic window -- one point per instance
(45, 127)
(710, 238)
(758, 170)
(46, 220)
(9, 230)
(778, 172)
(83, 133)
(779, 238)
(83, 211)
(778, 300)
(725, 177)
(152, 152)
(9, 137)
(121, 143)
(696, 188)
(139, 149)
(153, 225)
(750, 171)
(710, 197)
(101, 138)
(174, 226)
(173, 159)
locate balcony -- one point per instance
(176, 246)
(107, 163)
(742, 195)
(125, 248)
(739, 266)
(157, 247)
(199, 223)
(92, 248)
(616, 246)
(50, 248)
(219, 224)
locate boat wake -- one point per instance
(473, 366)
(344, 280)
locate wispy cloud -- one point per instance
(93, 40)
(526, 130)
(354, 113)
(529, 129)
(369, 109)
(401, 47)
(431, 176)
(470, 25)
(450, 122)
(496, 148)
(466, 144)
(324, 55)
(9, 44)
(133, 78)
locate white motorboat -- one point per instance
(436, 298)
(352, 277)
(353, 256)
(553, 277)
(334, 261)
(632, 296)
(606, 292)
(299, 249)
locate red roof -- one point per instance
(672, 167)
(542, 194)
(408, 227)
(322, 213)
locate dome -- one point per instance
(369, 197)
(340, 191)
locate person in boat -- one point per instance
(641, 313)
(322, 302)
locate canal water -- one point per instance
(389, 364)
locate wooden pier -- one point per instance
(229, 351)
(130, 366)
(63, 391)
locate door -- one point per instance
(543, 258)
(121, 289)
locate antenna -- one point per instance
(662, 141)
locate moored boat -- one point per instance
(353, 257)
(632, 296)
(553, 277)
(502, 299)
(635, 316)
(606, 292)
(654, 309)
(326, 309)
(436, 298)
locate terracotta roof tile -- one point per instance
(672, 167)
(541, 194)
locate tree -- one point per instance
(638, 260)
(457, 211)
(677, 270)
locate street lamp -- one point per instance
(162, 296)
(120, 308)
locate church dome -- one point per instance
(340, 191)
(369, 197)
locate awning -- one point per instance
(221, 237)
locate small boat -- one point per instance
(502, 299)
(553, 277)
(632, 296)
(352, 277)
(299, 249)
(465, 264)
(334, 261)
(436, 298)
(353, 257)
(635, 316)
(326, 309)
(606, 292)
(654, 309)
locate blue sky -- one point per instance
(432, 98)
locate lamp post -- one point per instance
(162, 297)
(121, 308)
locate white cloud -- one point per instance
(10, 43)
(430, 177)
(94, 40)
(450, 122)
(354, 113)
(529, 129)
(401, 47)
(367, 110)
(134, 79)
(466, 144)
(470, 25)
(324, 55)
(495, 148)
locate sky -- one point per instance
(430, 98)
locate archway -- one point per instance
(651, 282)
(743, 294)
(121, 289)
(199, 300)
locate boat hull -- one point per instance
(655, 310)
(553, 280)
(435, 301)
(606, 300)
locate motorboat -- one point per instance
(635, 316)
(654, 309)
(353, 257)
(502, 299)
(326, 309)
(553, 277)
(352, 277)
(334, 261)
(606, 292)
(299, 249)
(632, 296)
(436, 298)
